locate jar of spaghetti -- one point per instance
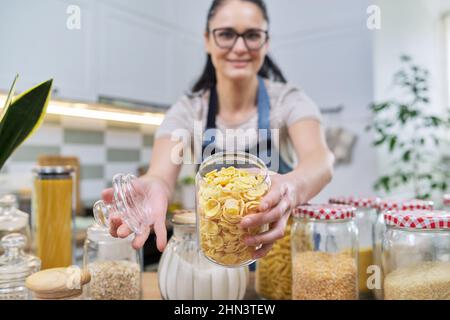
(53, 214)
(365, 219)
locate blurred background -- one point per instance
(132, 59)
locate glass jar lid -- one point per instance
(418, 219)
(357, 201)
(58, 283)
(11, 219)
(15, 265)
(53, 171)
(185, 217)
(405, 204)
(325, 211)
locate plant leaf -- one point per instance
(23, 116)
(10, 96)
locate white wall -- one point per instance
(414, 28)
(326, 48)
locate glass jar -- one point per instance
(12, 220)
(229, 186)
(365, 219)
(15, 267)
(446, 202)
(380, 230)
(113, 264)
(128, 203)
(324, 244)
(58, 283)
(54, 215)
(273, 276)
(416, 255)
(184, 273)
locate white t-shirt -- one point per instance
(288, 104)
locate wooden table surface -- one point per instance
(150, 289)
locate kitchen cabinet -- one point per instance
(38, 45)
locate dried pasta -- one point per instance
(225, 196)
(274, 271)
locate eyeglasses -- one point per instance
(226, 38)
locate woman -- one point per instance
(241, 88)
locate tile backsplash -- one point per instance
(103, 148)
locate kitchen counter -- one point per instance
(151, 290)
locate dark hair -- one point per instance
(268, 70)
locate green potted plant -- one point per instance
(412, 135)
(21, 116)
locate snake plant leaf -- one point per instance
(10, 95)
(22, 117)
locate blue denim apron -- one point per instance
(263, 148)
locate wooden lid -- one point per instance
(184, 217)
(58, 283)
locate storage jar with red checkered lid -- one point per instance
(446, 201)
(365, 219)
(324, 245)
(416, 255)
(380, 228)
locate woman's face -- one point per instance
(238, 62)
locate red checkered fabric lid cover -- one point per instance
(405, 204)
(447, 199)
(418, 219)
(325, 211)
(356, 201)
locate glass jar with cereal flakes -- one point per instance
(273, 277)
(380, 230)
(365, 219)
(324, 261)
(416, 255)
(229, 185)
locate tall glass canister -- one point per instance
(53, 215)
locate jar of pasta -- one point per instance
(416, 255)
(229, 186)
(53, 215)
(324, 245)
(365, 219)
(273, 277)
(380, 230)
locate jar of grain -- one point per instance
(113, 264)
(380, 230)
(185, 274)
(229, 186)
(273, 277)
(365, 218)
(324, 245)
(416, 255)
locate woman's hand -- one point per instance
(275, 209)
(157, 200)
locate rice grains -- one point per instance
(423, 281)
(324, 276)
